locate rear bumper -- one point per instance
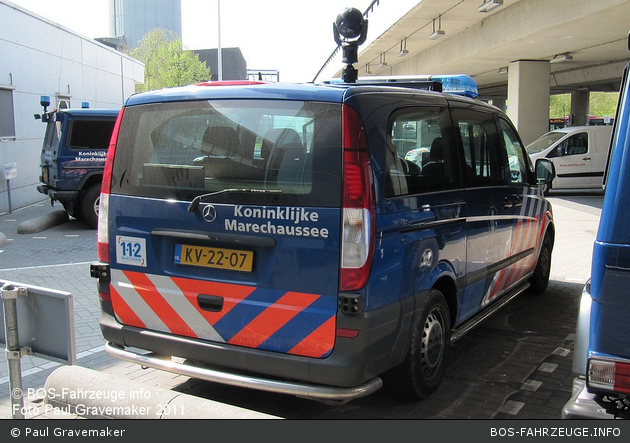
(582, 404)
(60, 196)
(318, 392)
(351, 370)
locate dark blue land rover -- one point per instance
(73, 158)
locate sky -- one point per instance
(294, 37)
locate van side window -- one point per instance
(484, 160)
(517, 159)
(420, 155)
(577, 144)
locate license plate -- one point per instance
(222, 258)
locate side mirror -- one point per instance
(545, 171)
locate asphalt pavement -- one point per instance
(516, 365)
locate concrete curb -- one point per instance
(42, 222)
(93, 394)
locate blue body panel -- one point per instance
(600, 391)
(278, 259)
(610, 271)
(610, 329)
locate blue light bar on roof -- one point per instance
(457, 84)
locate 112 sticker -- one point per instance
(131, 251)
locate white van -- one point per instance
(578, 153)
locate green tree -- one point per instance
(600, 104)
(166, 63)
(559, 105)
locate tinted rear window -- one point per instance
(180, 150)
(91, 134)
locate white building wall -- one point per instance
(39, 57)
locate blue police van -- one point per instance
(601, 357)
(282, 237)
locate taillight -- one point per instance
(609, 375)
(358, 204)
(106, 185)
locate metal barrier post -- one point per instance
(13, 352)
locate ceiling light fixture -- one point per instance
(437, 33)
(403, 51)
(560, 58)
(489, 5)
(503, 70)
(382, 63)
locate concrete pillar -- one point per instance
(528, 97)
(579, 107)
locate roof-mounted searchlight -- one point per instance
(350, 31)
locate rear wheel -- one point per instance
(89, 205)
(423, 369)
(540, 278)
(72, 210)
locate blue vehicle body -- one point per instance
(602, 349)
(286, 308)
(73, 157)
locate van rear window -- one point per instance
(184, 149)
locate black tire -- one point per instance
(72, 210)
(89, 205)
(540, 278)
(423, 369)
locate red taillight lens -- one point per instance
(612, 376)
(106, 184)
(358, 204)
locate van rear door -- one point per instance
(52, 138)
(224, 222)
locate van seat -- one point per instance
(435, 166)
(287, 158)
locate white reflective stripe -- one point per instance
(184, 308)
(136, 303)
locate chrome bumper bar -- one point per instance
(314, 392)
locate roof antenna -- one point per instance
(350, 31)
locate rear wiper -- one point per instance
(194, 204)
